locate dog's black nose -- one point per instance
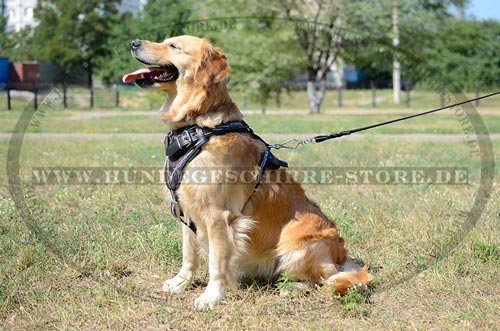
(135, 44)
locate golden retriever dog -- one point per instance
(261, 233)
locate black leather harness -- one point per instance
(183, 145)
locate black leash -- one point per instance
(321, 138)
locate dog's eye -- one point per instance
(174, 46)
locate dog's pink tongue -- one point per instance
(133, 76)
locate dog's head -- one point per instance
(186, 68)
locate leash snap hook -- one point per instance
(286, 144)
(307, 141)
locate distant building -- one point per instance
(20, 13)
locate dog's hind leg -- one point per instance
(352, 276)
(321, 257)
(311, 257)
(190, 263)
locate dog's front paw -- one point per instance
(176, 285)
(209, 299)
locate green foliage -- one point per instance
(74, 34)
(262, 51)
(467, 52)
(260, 72)
(418, 22)
(15, 45)
(316, 34)
(165, 18)
(267, 53)
(120, 61)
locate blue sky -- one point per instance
(484, 9)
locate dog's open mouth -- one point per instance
(148, 76)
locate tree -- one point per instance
(396, 65)
(263, 71)
(112, 68)
(15, 45)
(319, 39)
(3, 35)
(361, 33)
(169, 16)
(322, 31)
(75, 34)
(467, 52)
(419, 25)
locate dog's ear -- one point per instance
(213, 67)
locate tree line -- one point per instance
(269, 43)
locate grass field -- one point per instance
(122, 122)
(95, 256)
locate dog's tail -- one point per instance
(238, 236)
(352, 276)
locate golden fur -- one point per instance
(279, 230)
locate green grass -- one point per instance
(122, 122)
(95, 256)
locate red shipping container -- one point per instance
(24, 75)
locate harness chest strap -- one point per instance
(183, 145)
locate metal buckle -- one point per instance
(175, 209)
(189, 136)
(178, 142)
